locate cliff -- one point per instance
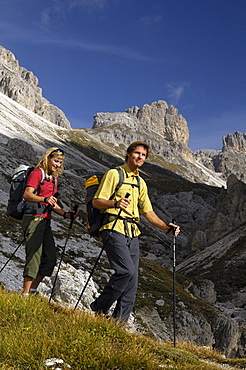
(21, 85)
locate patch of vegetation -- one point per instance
(32, 331)
(93, 149)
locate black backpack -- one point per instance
(94, 215)
(16, 203)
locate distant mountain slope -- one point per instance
(21, 85)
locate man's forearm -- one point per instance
(154, 220)
(100, 203)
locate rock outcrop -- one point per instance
(157, 123)
(230, 160)
(21, 85)
(235, 142)
(158, 117)
(229, 214)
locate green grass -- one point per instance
(32, 331)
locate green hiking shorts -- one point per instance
(40, 247)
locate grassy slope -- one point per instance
(32, 331)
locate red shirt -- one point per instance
(48, 188)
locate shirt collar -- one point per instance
(129, 172)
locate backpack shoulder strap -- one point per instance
(43, 176)
(139, 183)
(56, 188)
(42, 181)
(121, 178)
(121, 181)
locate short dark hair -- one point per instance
(133, 146)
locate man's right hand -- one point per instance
(123, 203)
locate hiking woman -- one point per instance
(41, 199)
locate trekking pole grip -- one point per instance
(173, 221)
(126, 196)
(172, 229)
(75, 209)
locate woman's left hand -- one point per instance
(71, 214)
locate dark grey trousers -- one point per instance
(123, 256)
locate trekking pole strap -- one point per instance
(75, 209)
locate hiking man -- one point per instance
(122, 245)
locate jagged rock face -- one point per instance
(229, 214)
(236, 142)
(158, 117)
(218, 265)
(22, 86)
(158, 124)
(207, 157)
(230, 160)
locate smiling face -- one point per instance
(136, 158)
(54, 163)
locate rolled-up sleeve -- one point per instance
(146, 205)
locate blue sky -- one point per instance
(108, 55)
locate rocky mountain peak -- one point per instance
(235, 142)
(229, 160)
(21, 85)
(157, 117)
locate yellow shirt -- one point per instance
(107, 187)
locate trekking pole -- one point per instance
(16, 249)
(101, 252)
(75, 209)
(174, 288)
(25, 236)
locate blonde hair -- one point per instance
(50, 153)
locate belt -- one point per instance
(109, 217)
